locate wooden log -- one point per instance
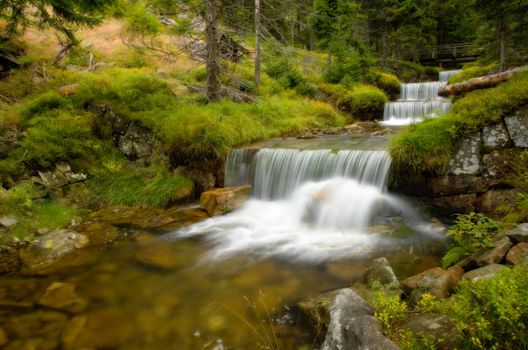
(484, 82)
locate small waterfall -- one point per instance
(418, 101)
(445, 75)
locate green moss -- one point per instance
(362, 101)
(428, 146)
(472, 71)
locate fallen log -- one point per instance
(484, 82)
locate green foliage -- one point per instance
(472, 71)
(44, 103)
(285, 72)
(364, 102)
(141, 20)
(454, 255)
(154, 186)
(519, 213)
(389, 309)
(428, 146)
(385, 81)
(349, 67)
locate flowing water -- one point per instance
(418, 101)
(176, 280)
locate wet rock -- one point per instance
(496, 136)
(137, 142)
(518, 128)
(8, 221)
(318, 309)
(3, 337)
(46, 250)
(99, 233)
(161, 255)
(43, 323)
(33, 344)
(462, 184)
(62, 296)
(9, 260)
(353, 325)
(68, 90)
(224, 200)
(462, 203)
(495, 255)
(467, 159)
(100, 329)
(438, 327)
(517, 253)
(493, 199)
(484, 272)
(381, 271)
(76, 260)
(436, 281)
(518, 234)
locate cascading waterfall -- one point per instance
(418, 101)
(306, 205)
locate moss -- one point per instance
(385, 81)
(472, 71)
(428, 146)
(364, 102)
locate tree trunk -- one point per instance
(257, 42)
(485, 82)
(213, 86)
(502, 53)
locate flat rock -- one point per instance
(68, 90)
(161, 255)
(436, 281)
(8, 220)
(517, 253)
(439, 327)
(496, 254)
(496, 136)
(467, 159)
(518, 234)
(353, 325)
(381, 271)
(62, 296)
(224, 200)
(484, 272)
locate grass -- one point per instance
(472, 71)
(427, 147)
(362, 101)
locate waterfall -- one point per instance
(306, 205)
(418, 101)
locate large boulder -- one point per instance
(224, 200)
(485, 272)
(518, 234)
(438, 327)
(496, 136)
(435, 281)
(467, 160)
(353, 325)
(517, 253)
(381, 271)
(496, 254)
(317, 309)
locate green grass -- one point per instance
(361, 101)
(472, 71)
(427, 147)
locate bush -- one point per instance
(385, 81)
(348, 68)
(431, 72)
(364, 102)
(285, 72)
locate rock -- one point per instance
(462, 184)
(353, 325)
(381, 271)
(3, 337)
(100, 329)
(68, 90)
(355, 129)
(461, 203)
(161, 255)
(62, 296)
(8, 221)
(224, 200)
(33, 344)
(99, 233)
(46, 250)
(517, 253)
(137, 142)
(485, 272)
(61, 176)
(494, 199)
(318, 309)
(495, 255)
(109, 125)
(498, 166)
(76, 193)
(204, 180)
(496, 136)
(74, 68)
(436, 281)
(518, 234)
(438, 327)
(383, 132)
(518, 128)
(467, 159)
(9, 260)
(44, 323)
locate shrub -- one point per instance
(431, 72)
(285, 72)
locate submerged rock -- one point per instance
(438, 327)
(33, 344)
(42, 323)
(62, 296)
(353, 325)
(517, 253)
(485, 272)
(224, 200)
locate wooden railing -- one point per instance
(449, 51)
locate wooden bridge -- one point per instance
(446, 55)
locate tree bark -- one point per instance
(257, 42)
(485, 82)
(213, 86)
(502, 49)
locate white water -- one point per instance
(417, 102)
(308, 206)
(445, 75)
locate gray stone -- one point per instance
(495, 255)
(137, 141)
(485, 272)
(381, 271)
(318, 309)
(8, 221)
(353, 325)
(53, 179)
(518, 128)
(438, 327)
(519, 234)
(492, 200)
(467, 159)
(203, 180)
(496, 136)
